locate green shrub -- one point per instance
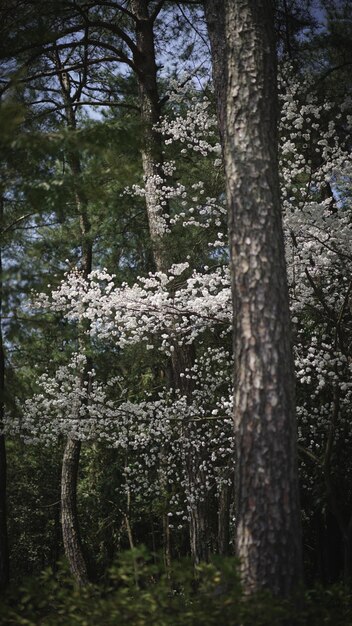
(138, 592)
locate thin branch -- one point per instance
(105, 103)
(331, 70)
(319, 294)
(309, 454)
(51, 39)
(91, 41)
(121, 56)
(206, 43)
(111, 5)
(116, 30)
(71, 68)
(17, 221)
(110, 103)
(337, 252)
(35, 226)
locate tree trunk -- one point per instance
(4, 550)
(70, 463)
(224, 507)
(268, 533)
(215, 19)
(167, 545)
(199, 526)
(69, 518)
(152, 159)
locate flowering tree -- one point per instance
(182, 306)
(158, 327)
(316, 200)
(169, 310)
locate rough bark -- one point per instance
(152, 157)
(268, 533)
(268, 537)
(199, 532)
(70, 463)
(69, 518)
(4, 550)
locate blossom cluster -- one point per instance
(184, 306)
(163, 307)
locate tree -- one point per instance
(268, 535)
(179, 323)
(70, 462)
(318, 253)
(128, 35)
(4, 551)
(157, 405)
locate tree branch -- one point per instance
(156, 10)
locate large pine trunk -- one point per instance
(268, 529)
(268, 537)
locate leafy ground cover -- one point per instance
(139, 592)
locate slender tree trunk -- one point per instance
(69, 477)
(167, 545)
(268, 537)
(69, 519)
(199, 519)
(152, 159)
(216, 25)
(4, 550)
(224, 508)
(215, 19)
(199, 526)
(70, 463)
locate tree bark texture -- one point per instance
(70, 463)
(4, 550)
(152, 157)
(69, 518)
(74, 161)
(268, 534)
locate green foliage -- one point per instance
(34, 507)
(140, 593)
